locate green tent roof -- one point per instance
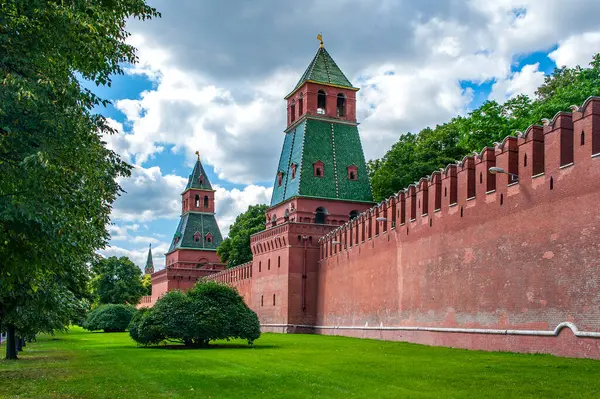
(198, 178)
(191, 223)
(338, 147)
(323, 69)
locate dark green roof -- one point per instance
(335, 144)
(149, 269)
(194, 180)
(196, 222)
(323, 69)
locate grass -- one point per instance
(87, 365)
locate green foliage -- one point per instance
(235, 249)
(110, 318)
(147, 284)
(416, 156)
(57, 178)
(117, 280)
(207, 312)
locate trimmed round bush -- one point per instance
(110, 318)
(207, 312)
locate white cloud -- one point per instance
(576, 50)
(149, 195)
(138, 254)
(230, 203)
(525, 81)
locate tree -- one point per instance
(117, 280)
(147, 284)
(207, 312)
(57, 178)
(109, 318)
(235, 249)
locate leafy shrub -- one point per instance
(110, 318)
(207, 312)
(145, 328)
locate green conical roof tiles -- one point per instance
(323, 69)
(338, 147)
(197, 231)
(198, 178)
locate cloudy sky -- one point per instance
(212, 76)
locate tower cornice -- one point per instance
(319, 118)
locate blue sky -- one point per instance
(212, 78)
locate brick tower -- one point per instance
(321, 183)
(193, 250)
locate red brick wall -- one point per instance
(497, 256)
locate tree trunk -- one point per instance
(19, 344)
(23, 342)
(11, 344)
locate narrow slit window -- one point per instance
(341, 105)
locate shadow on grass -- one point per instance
(210, 347)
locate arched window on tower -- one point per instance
(293, 111)
(341, 104)
(321, 102)
(294, 170)
(318, 169)
(197, 201)
(206, 201)
(274, 220)
(354, 214)
(352, 172)
(320, 215)
(286, 215)
(300, 104)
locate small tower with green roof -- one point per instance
(198, 232)
(149, 269)
(193, 250)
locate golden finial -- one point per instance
(198, 153)
(320, 38)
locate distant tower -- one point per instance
(149, 269)
(193, 250)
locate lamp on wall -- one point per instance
(495, 169)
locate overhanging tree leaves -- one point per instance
(57, 178)
(235, 249)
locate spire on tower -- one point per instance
(320, 39)
(198, 179)
(149, 269)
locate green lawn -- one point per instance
(87, 365)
